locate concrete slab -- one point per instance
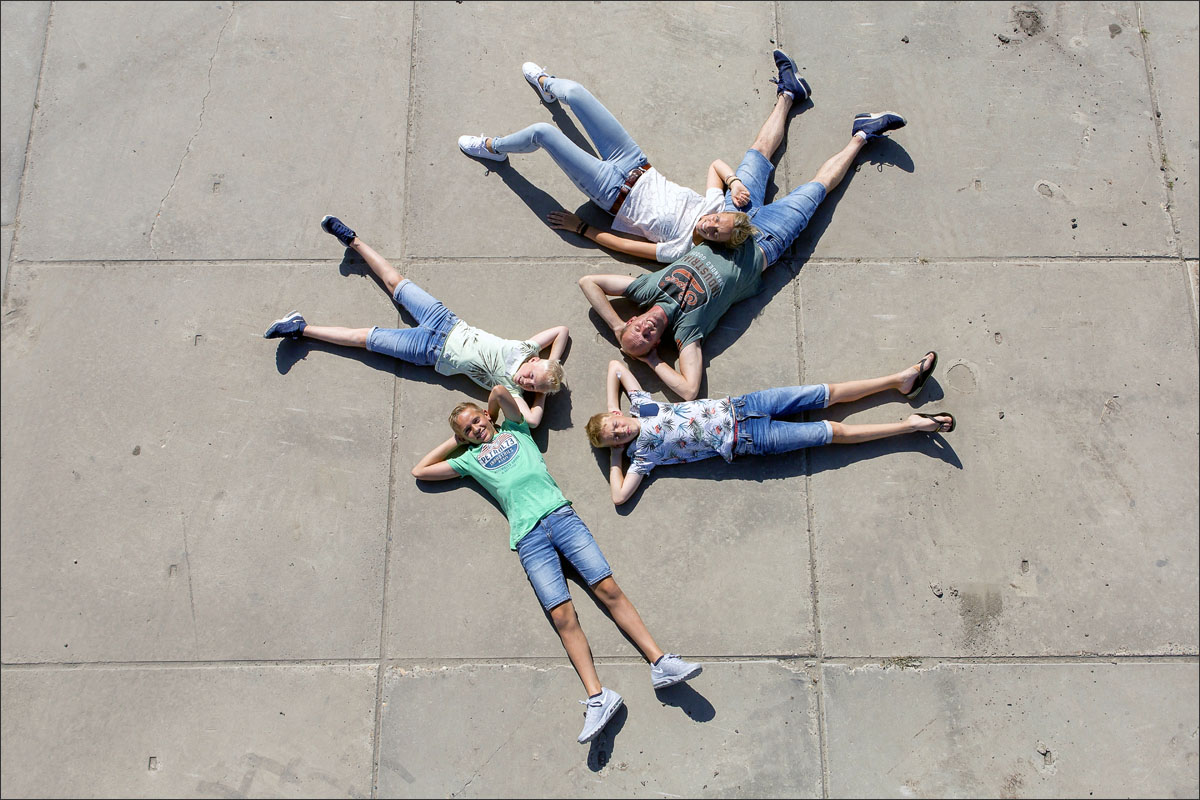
(159, 501)
(1012, 730)
(1008, 144)
(702, 586)
(22, 35)
(1173, 43)
(222, 128)
(239, 731)
(682, 119)
(738, 730)
(1060, 517)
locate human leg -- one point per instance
(836, 166)
(855, 434)
(771, 134)
(612, 141)
(379, 265)
(627, 617)
(902, 381)
(349, 337)
(566, 623)
(598, 179)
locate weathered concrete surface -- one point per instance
(743, 730)
(1013, 730)
(1173, 43)
(316, 571)
(1067, 105)
(1058, 517)
(172, 434)
(219, 123)
(6, 237)
(22, 35)
(233, 731)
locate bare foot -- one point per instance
(912, 373)
(938, 423)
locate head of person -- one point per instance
(540, 375)
(643, 332)
(612, 429)
(729, 228)
(472, 424)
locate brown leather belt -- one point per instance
(630, 180)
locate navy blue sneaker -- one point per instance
(875, 125)
(292, 326)
(335, 227)
(788, 80)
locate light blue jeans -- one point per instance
(760, 435)
(421, 345)
(778, 223)
(560, 534)
(599, 178)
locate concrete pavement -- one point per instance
(220, 580)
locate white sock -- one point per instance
(862, 135)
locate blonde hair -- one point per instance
(593, 429)
(554, 375)
(458, 409)
(742, 229)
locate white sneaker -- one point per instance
(532, 72)
(671, 669)
(474, 146)
(599, 711)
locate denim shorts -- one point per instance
(420, 345)
(778, 223)
(560, 534)
(760, 435)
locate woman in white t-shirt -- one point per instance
(656, 218)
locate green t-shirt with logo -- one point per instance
(699, 288)
(511, 468)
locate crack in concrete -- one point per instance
(200, 125)
(500, 747)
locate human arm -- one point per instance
(638, 248)
(598, 288)
(556, 339)
(721, 176)
(686, 381)
(434, 465)
(501, 399)
(619, 377)
(621, 484)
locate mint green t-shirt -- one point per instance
(511, 468)
(484, 357)
(698, 288)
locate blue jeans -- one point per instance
(778, 223)
(760, 435)
(421, 345)
(560, 534)
(599, 178)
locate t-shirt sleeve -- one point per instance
(637, 398)
(644, 289)
(461, 464)
(509, 425)
(686, 333)
(638, 462)
(666, 252)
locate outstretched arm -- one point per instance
(621, 484)
(721, 176)
(434, 466)
(597, 289)
(686, 381)
(636, 247)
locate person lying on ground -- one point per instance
(441, 339)
(675, 433)
(544, 530)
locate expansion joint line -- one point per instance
(1164, 159)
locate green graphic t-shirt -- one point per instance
(511, 468)
(700, 287)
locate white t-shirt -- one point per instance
(666, 213)
(483, 357)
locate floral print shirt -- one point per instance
(675, 433)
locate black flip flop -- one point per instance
(953, 422)
(923, 376)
